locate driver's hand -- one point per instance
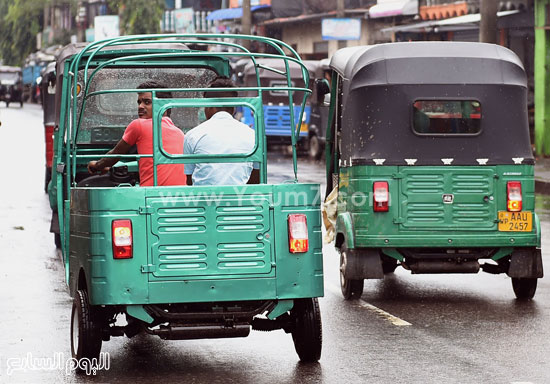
(93, 169)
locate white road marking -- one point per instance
(388, 316)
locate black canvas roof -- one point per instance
(429, 62)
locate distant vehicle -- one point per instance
(11, 87)
(276, 102)
(47, 92)
(34, 64)
(430, 163)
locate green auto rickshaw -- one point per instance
(429, 163)
(179, 262)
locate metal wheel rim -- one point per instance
(343, 263)
(75, 336)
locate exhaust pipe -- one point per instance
(441, 266)
(179, 332)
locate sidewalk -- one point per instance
(542, 175)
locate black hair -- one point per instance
(222, 82)
(161, 95)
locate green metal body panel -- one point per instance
(196, 244)
(418, 217)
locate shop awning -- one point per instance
(386, 8)
(232, 13)
(452, 24)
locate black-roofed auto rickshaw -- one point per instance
(47, 92)
(11, 85)
(429, 160)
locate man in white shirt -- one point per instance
(220, 134)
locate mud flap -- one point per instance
(526, 263)
(363, 264)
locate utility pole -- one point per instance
(488, 23)
(246, 22)
(341, 8)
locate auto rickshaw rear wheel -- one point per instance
(307, 332)
(524, 288)
(351, 289)
(315, 150)
(85, 330)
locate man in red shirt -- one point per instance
(140, 133)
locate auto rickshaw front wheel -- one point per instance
(85, 330)
(307, 332)
(351, 289)
(524, 288)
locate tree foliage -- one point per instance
(20, 21)
(139, 16)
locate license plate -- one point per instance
(515, 221)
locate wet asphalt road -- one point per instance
(461, 328)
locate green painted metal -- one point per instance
(191, 244)
(542, 77)
(502, 252)
(139, 312)
(283, 306)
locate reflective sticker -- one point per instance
(410, 161)
(517, 160)
(482, 161)
(447, 161)
(379, 161)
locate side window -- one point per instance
(446, 117)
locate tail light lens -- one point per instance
(297, 233)
(122, 239)
(381, 196)
(514, 200)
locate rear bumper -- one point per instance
(202, 291)
(449, 240)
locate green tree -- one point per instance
(139, 16)
(21, 21)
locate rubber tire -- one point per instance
(47, 178)
(307, 332)
(7, 104)
(57, 240)
(524, 288)
(21, 103)
(88, 332)
(314, 149)
(351, 289)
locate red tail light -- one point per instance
(297, 233)
(514, 200)
(381, 196)
(122, 239)
(49, 144)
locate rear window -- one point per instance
(447, 117)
